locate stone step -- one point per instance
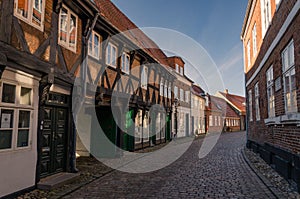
(56, 180)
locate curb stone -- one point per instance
(277, 193)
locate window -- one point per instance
(270, 92)
(181, 70)
(187, 96)
(94, 45)
(15, 116)
(248, 54)
(169, 91)
(111, 55)
(31, 11)
(158, 126)
(257, 111)
(216, 121)
(254, 40)
(67, 29)
(177, 68)
(175, 92)
(161, 90)
(250, 105)
(166, 89)
(181, 95)
(125, 63)
(144, 77)
(146, 127)
(277, 2)
(289, 78)
(265, 15)
(138, 127)
(211, 120)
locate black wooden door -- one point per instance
(54, 141)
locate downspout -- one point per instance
(83, 92)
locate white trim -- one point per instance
(280, 34)
(29, 19)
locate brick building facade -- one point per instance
(272, 58)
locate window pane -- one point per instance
(23, 138)
(108, 54)
(7, 117)
(72, 31)
(96, 46)
(25, 97)
(22, 8)
(113, 56)
(9, 93)
(291, 54)
(37, 12)
(5, 139)
(90, 45)
(24, 119)
(63, 24)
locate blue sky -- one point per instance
(215, 24)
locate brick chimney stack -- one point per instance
(226, 91)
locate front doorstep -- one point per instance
(56, 180)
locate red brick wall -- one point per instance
(283, 136)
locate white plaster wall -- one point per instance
(18, 166)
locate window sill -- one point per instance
(289, 118)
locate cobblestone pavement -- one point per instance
(221, 174)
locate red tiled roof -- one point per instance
(237, 101)
(122, 23)
(219, 104)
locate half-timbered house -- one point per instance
(42, 43)
(127, 67)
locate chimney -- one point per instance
(226, 91)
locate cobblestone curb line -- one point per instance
(277, 193)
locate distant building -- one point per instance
(270, 36)
(182, 92)
(197, 110)
(238, 104)
(220, 116)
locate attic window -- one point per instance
(219, 107)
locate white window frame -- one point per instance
(248, 54)
(175, 92)
(111, 55)
(125, 63)
(257, 108)
(254, 40)
(177, 68)
(16, 107)
(181, 95)
(144, 77)
(67, 43)
(166, 89)
(161, 89)
(91, 42)
(250, 105)
(187, 96)
(30, 16)
(266, 15)
(289, 74)
(211, 120)
(270, 92)
(169, 91)
(181, 70)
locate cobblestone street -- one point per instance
(221, 174)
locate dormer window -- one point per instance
(177, 68)
(181, 70)
(31, 11)
(67, 29)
